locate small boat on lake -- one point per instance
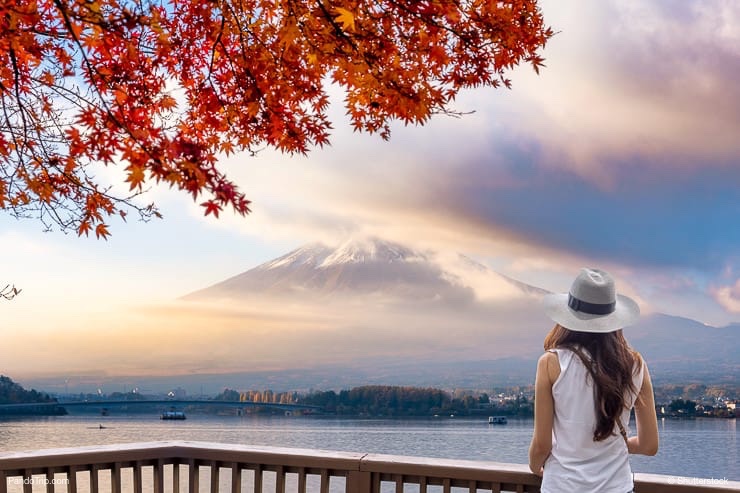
(173, 415)
(497, 420)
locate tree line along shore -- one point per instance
(401, 401)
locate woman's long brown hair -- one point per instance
(610, 362)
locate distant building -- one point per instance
(178, 393)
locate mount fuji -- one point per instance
(414, 316)
(369, 268)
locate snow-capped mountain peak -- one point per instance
(367, 266)
(368, 250)
(309, 255)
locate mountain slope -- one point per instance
(680, 349)
(360, 268)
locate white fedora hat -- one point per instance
(592, 305)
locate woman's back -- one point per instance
(587, 381)
(578, 462)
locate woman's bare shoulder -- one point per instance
(549, 365)
(547, 358)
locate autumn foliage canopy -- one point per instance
(162, 88)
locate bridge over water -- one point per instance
(50, 407)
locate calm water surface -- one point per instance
(699, 448)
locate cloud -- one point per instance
(728, 296)
(681, 221)
(502, 201)
(636, 78)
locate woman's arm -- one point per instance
(646, 441)
(539, 450)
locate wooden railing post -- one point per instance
(324, 486)
(359, 482)
(94, 479)
(176, 477)
(258, 479)
(193, 476)
(115, 478)
(71, 480)
(279, 479)
(215, 470)
(138, 477)
(28, 485)
(236, 478)
(302, 480)
(158, 478)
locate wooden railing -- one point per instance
(164, 467)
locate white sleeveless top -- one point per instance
(577, 463)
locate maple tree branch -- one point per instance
(54, 205)
(48, 34)
(337, 28)
(147, 211)
(431, 21)
(209, 77)
(91, 71)
(247, 71)
(9, 292)
(19, 100)
(68, 94)
(17, 136)
(216, 42)
(451, 113)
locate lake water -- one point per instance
(702, 448)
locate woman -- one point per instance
(587, 382)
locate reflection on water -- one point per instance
(696, 448)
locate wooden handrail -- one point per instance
(361, 473)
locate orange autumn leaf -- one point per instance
(211, 207)
(101, 231)
(345, 18)
(135, 177)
